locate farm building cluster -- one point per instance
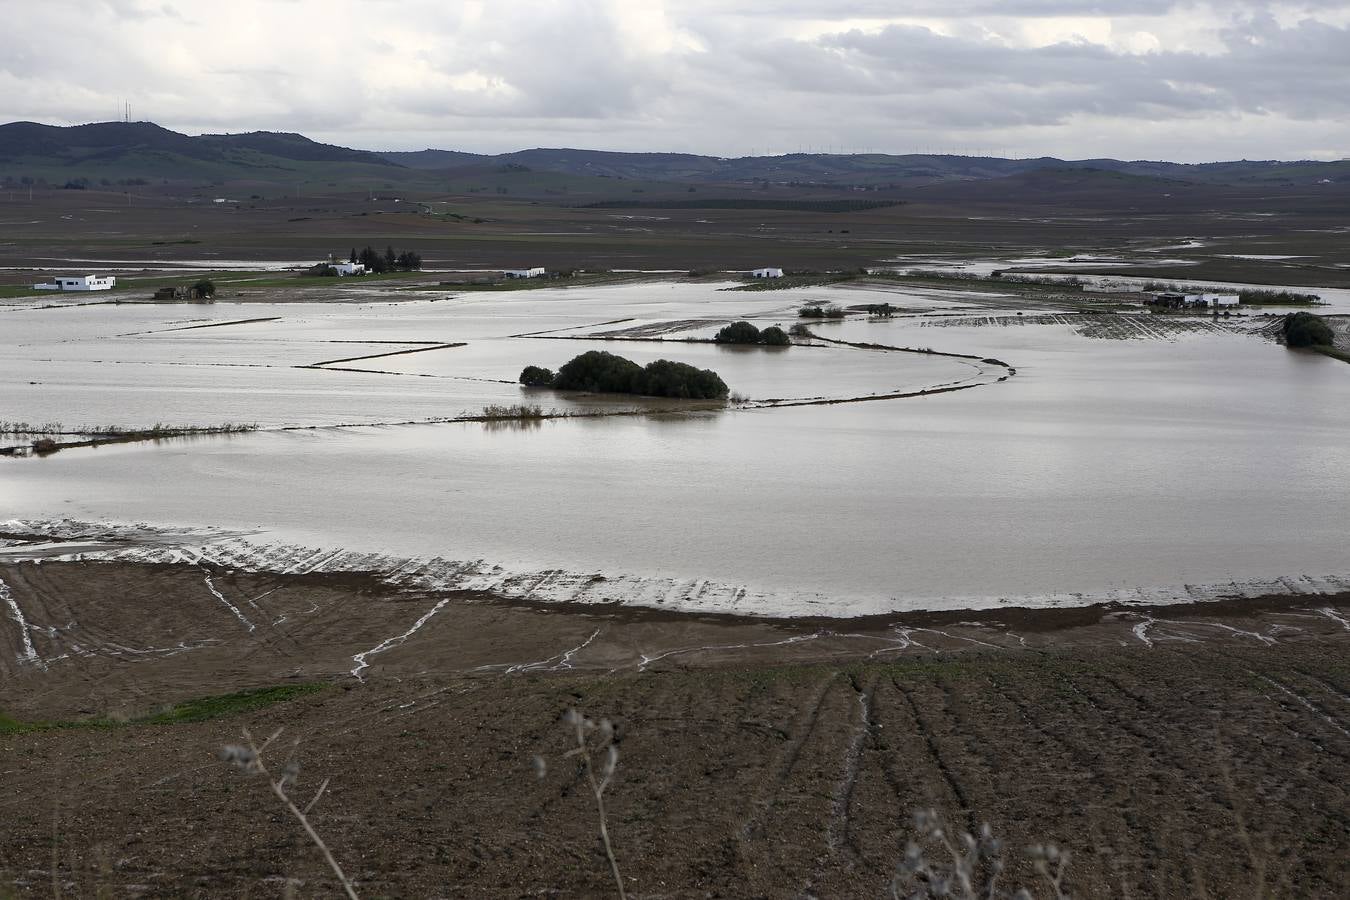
(1171, 300)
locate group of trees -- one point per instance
(821, 312)
(606, 373)
(745, 333)
(1263, 297)
(407, 261)
(79, 183)
(1303, 329)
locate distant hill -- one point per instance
(289, 146)
(865, 170)
(142, 150)
(433, 159)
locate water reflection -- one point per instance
(517, 424)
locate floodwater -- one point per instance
(1150, 470)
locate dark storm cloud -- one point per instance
(1299, 71)
(1033, 76)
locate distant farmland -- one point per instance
(824, 206)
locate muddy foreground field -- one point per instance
(1198, 751)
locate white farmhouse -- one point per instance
(536, 272)
(766, 273)
(349, 268)
(78, 283)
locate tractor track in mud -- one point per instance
(760, 758)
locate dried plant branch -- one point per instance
(1050, 864)
(310, 805)
(249, 757)
(56, 881)
(976, 863)
(582, 728)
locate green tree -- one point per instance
(774, 336)
(372, 260)
(1303, 329)
(665, 378)
(536, 376)
(205, 289)
(599, 372)
(738, 333)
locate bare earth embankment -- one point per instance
(1197, 750)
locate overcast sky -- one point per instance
(1070, 78)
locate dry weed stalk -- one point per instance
(583, 729)
(974, 867)
(1050, 862)
(249, 758)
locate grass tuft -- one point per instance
(199, 710)
(205, 708)
(515, 411)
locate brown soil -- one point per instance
(1182, 751)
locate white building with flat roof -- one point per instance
(78, 283)
(1210, 301)
(349, 268)
(770, 272)
(536, 272)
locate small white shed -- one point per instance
(766, 273)
(349, 268)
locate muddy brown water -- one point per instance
(1191, 465)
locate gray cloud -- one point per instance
(1066, 77)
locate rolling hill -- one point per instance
(145, 151)
(117, 151)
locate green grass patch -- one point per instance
(205, 708)
(307, 280)
(793, 281)
(529, 284)
(11, 726)
(199, 710)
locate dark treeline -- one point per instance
(599, 372)
(1262, 296)
(746, 333)
(374, 261)
(72, 184)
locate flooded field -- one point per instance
(1167, 464)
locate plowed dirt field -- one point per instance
(1196, 751)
